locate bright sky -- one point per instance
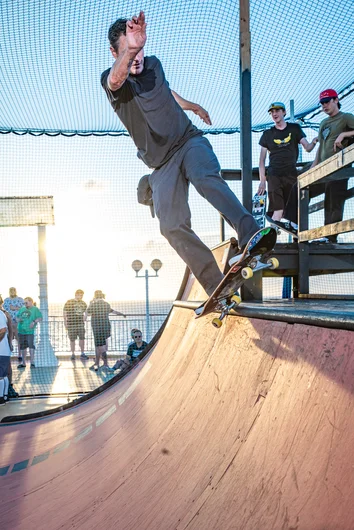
(99, 226)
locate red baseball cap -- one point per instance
(329, 93)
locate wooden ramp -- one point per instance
(247, 427)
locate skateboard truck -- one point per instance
(247, 273)
(225, 309)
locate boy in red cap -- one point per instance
(334, 134)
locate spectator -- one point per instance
(28, 317)
(12, 392)
(334, 134)
(75, 316)
(12, 304)
(134, 350)
(5, 354)
(99, 310)
(282, 143)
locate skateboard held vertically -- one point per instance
(255, 257)
(259, 208)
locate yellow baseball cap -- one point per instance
(277, 105)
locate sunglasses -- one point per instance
(323, 101)
(137, 336)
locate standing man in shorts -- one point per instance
(282, 143)
(11, 305)
(100, 310)
(75, 316)
(172, 146)
(28, 317)
(5, 355)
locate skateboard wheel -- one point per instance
(247, 273)
(236, 299)
(273, 262)
(216, 322)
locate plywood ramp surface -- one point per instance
(247, 427)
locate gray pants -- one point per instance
(196, 162)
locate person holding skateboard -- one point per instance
(282, 143)
(172, 146)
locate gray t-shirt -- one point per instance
(330, 129)
(153, 118)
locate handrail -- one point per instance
(329, 167)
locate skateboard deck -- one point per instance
(259, 208)
(255, 257)
(280, 229)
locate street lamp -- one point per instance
(156, 265)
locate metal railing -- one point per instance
(117, 343)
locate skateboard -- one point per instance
(280, 229)
(259, 208)
(255, 257)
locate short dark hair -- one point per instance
(118, 28)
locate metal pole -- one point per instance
(251, 290)
(44, 352)
(292, 111)
(147, 309)
(245, 104)
(292, 119)
(222, 229)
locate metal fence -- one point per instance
(120, 333)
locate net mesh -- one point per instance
(55, 87)
(71, 150)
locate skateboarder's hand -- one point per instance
(136, 32)
(202, 113)
(262, 187)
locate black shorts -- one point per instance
(279, 188)
(76, 331)
(26, 341)
(100, 335)
(4, 365)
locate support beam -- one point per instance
(45, 355)
(251, 290)
(245, 104)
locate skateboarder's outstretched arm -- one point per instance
(127, 51)
(194, 107)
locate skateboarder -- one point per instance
(168, 142)
(282, 143)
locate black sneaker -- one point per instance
(2, 401)
(286, 226)
(12, 394)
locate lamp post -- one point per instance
(156, 265)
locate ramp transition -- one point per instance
(247, 427)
